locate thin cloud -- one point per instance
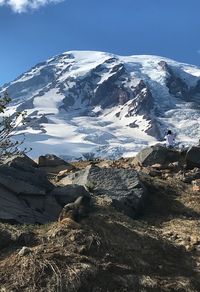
(20, 6)
(198, 51)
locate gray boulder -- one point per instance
(20, 161)
(157, 154)
(13, 210)
(27, 208)
(52, 164)
(69, 193)
(27, 180)
(193, 157)
(122, 186)
(50, 160)
(27, 196)
(43, 208)
(24, 195)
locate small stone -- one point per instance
(24, 251)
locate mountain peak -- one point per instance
(102, 103)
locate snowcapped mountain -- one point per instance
(94, 102)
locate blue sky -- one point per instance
(169, 28)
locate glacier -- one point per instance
(83, 103)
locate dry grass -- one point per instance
(160, 251)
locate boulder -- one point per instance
(69, 193)
(52, 164)
(28, 180)
(193, 157)
(27, 209)
(50, 160)
(122, 186)
(24, 196)
(24, 251)
(157, 155)
(20, 161)
(14, 210)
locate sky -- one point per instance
(31, 31)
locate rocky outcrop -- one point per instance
(193, 157)
(20, 161)
(122, 186)
(26, 193)
(109, 92)
(154, 129)
(23, 194)
(142, 100)
(26, 180)
(157, 154)
(53, 163)
(50, 160)
(176, 85)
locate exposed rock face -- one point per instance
(195, 92)
(109, 92)
(176, 85)
(122, 186)
(157, 154)
(142, 100)
(193, 157)
(154, 129)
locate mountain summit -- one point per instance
(93, 102)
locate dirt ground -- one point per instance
(107, 251)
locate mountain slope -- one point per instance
(94, 102)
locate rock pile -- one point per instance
(28, 194)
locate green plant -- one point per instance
(9, 124)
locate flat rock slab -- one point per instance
(24, 194)
(27, 208)
(122, 186)
(157, 154)
(26, 180)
